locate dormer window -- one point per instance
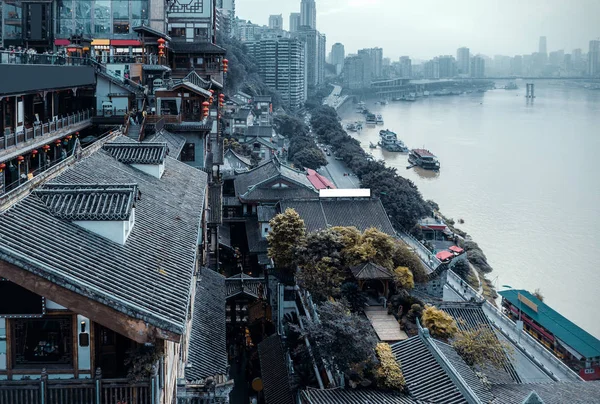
(146, 157)
(105, 209)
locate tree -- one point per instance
(355, 297)
(287, 233)
(480, 346)
(343, 338)
(415, 312)
(382, 244)
(439, 323)
(322, 280)
(403, 278)
(538, 294)
(403, 257)
(462, 269)
(290, 126)
(310, 157)
(388, 373)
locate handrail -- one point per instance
(104, 69)
(25, 58)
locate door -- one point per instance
(111, 352)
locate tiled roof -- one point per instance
(359, 396)
(256, 184)
(196, 47)
(262, 98)
(266, 213)
(215, 203)
(256, 243)
(175, 143)
(322, 213)
(276, 382)
(319, 181)
(89, 201)
(550, 393)
(425, 377)
(264, 141)
(225, 235)
(241, 158)
(242, 283)
(148, 278)
(262, 131)
(470, 316)
(370, 270)
(207, 352)
(216, 148)
(242, 114)
(146, 29)
(137, 153)
(467, 374)
(561, 327)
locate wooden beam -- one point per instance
(132, 328)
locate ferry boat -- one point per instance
(359, 126)
(351, 127)
(379, 119)
(390, 142)
(424, 159)
(511, 86)
(371, 119)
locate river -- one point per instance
(521, 174)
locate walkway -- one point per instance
(335, 99)
(386, 326)
(523, 341)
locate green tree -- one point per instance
(310, 157)
(439, 323)
(322, 280)
(481, 346)
(462, 269)
(355, 297)
(287, 233)
(403, 278)
(290, 126)
(388, 372)
(403, 257)
(343, 339)
(538, 294)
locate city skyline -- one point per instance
(509, 28)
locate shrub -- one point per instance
(439, 323)
(388, 373)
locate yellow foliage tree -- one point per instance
(403, 278)
(287, 233)
(481, 346)
(439, 323)
(380, 245)
(388, 373)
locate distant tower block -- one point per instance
(530, 91)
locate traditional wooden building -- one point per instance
(106, 259)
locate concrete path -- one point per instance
(385, 325)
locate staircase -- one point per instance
(127, 84)
(133, 132)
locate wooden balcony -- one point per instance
(79, 391)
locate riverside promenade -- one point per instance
(335, 99)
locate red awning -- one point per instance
(125, 42)
(444, 255)
(62, 42)
(456, 249)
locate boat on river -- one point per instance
(424, 159)
(371, 119)
(379, 119)
(390, 142)
(351, 127)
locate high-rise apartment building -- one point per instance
(463, 60)
(405, 67)
(447, 66)
(357, 74)
(295, 22)
(310, 38)
(282, 67)
(321, 53)
(276, 21)
(375, 57)
(308, 14)
(337, 57)
(225, 18)
(594, 59)
(477, 66)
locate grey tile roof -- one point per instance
(175, 143)
(550, 393)
(370, 270)
(274, 371)
(196, 47)
(207, 352)
(225, 235)
(266, 213)
(425, 377)
(465, 371)
(89, 201)
(215, 203)
(359, 396)
(216, 148)
(264, 141)
(262, 98)
(243, 159)
(137, 153)
(231, 201)
(149, 278)
(256, 184)
(245, 284)
(242, 114)
(262, 131)
(470, 316)
(256, 243)
(322, 213)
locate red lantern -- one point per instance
(20, 159)
(225, 62)
(205, 103)
(69, 137)
(57, 142)
(211, 91)
(34, 152)
(210, 100)
(2, 167)
(46, 148)
(76, 134)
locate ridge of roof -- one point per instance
(137, 152)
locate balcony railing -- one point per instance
(79, 391)
(43, 129)
(24, 58)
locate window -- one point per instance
(43, 341)
(121, 27)
(139, 9)
(120, 9)
(189, 152)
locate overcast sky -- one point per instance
(426, 28)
